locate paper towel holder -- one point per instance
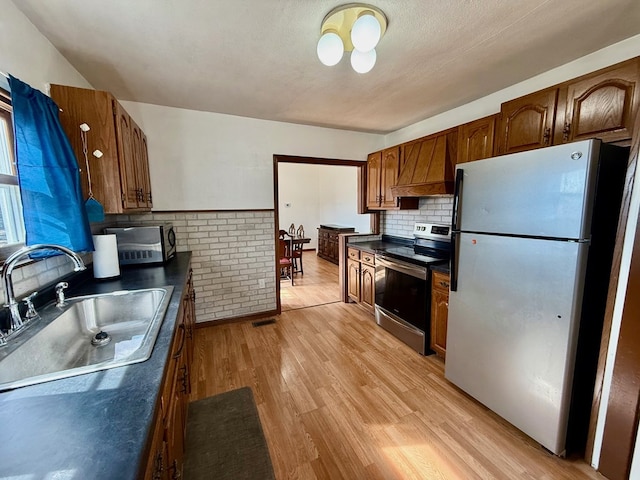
(106, 265)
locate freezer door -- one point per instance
(544, 193)
(512, 329)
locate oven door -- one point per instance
(402, 294)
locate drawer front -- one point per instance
(354, 253)
(368, 258)
(441, 281)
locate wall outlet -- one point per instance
(261, 283)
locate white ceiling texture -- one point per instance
(257, 58)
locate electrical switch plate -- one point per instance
(261, 283)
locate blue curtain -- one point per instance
(48, 173)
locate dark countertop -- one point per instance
(445, 268)
(331, 226)
(373, 245)
(95, 425)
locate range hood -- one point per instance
(428, 166)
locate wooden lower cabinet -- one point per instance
(439, 312)
(328, 241)
(166, 454)
(361, 274)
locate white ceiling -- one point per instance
(256, 58)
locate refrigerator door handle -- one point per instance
(453, 284)
(456, 200)
(453, 277)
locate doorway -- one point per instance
(310, 191)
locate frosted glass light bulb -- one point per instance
(330, 49)
(365, 33)
(363, 62)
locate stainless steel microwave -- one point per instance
(144, 243)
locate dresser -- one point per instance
(328, 241)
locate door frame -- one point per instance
(280, 158)
(623, 403)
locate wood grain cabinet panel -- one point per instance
(374, 164)
(367, 286)
(528, 122)
(120, 178)
(476, 139)
(428, 165)
(382, 174)
(602, 105)
(439, 312)
(361, 274)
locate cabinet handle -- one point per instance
(193, 296)
(149, 197)
(184, 335)
(444, 284)
(158, 469)
(185, 379)
(565, 132)
(175, 474)
(546, 136)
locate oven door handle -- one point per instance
(402, 267)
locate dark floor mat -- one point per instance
(225, 439)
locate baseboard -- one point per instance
(244, 318)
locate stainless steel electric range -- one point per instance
(403, 284)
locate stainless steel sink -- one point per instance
(88, 334)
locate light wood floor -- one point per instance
(340, 398)
(318, 285)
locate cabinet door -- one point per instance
(527, 122)
(439, 313)
(157, 462)
(476, 139)
(367, 286)
(146, 178)
(602, 105)
(353, 280)
(127, 158)
(389, 176)
(374, 164)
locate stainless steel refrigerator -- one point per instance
(533, 237)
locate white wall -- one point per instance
(28, 55)
(212, 161)
(490, 104)
(318, 194)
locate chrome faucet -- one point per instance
(16, 320)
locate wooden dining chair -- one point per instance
(286, 263)
(296, 256)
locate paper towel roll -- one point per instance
(105, 257)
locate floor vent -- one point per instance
(261, 323)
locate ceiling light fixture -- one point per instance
(355, 28)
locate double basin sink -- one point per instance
(88, 334)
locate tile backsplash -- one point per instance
(430, 209)
(231, 252)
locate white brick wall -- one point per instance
(430, 209)
(232, 251)
(34, 276)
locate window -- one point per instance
(11, 221)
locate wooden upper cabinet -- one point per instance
(374, 163)
(476, 139)
(120, 178)
(527, 122)
(389, 176)
(382, 175)
(127, 154)
(601, 105)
